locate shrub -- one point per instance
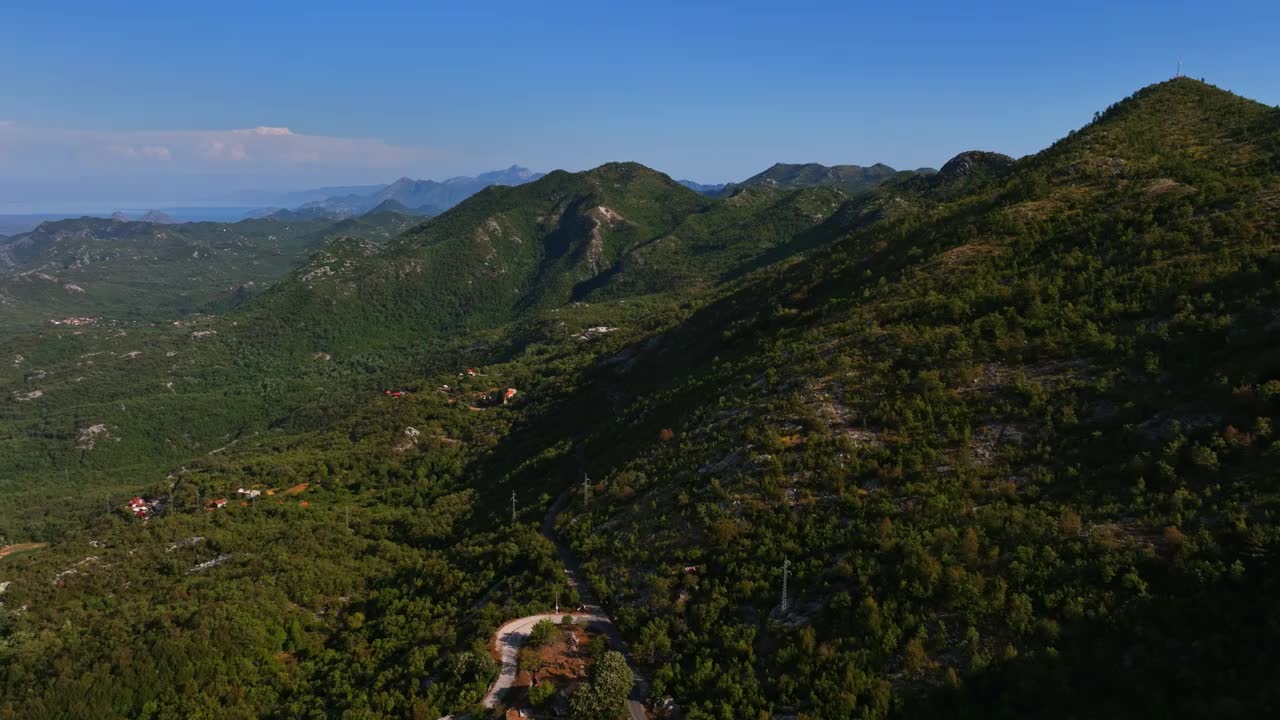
(541, 693)
(543, 632)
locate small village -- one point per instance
(146, 508)
(143, 508)
(75, 321)
(476, 400)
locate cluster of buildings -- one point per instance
(142, 508)
(75, 321)
(593, 332)
(246, 495)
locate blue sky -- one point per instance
(141, 101)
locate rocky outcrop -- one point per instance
(975, 162)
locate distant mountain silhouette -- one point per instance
(427, 196)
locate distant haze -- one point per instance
(44, 170)
(409, 195)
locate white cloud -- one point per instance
(157, 152)
(132, 152)
(72, 170)
(219, 150)
(264, 151)
(121, 150)
(264, 130)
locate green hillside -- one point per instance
(127, 270)
(1008, 427)
(850, 178)
(1001, 447)
(619, 230)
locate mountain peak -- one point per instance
(422, 196)
(972, 162)
(628, 174)
(156, 216)
(626, 170)
(852, 178)
(1163, 127)
(390, 205)
(1179, 95)
(514, 175)
(623, 166)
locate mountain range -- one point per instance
(233, 261)
(156, 269)
(713, 189)
(992, 441)
(424, 196)
(851, 178)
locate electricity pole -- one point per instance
(786, 567)
(513, 506)
(586, 491)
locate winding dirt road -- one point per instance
(513, 634)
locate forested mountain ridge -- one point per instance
(850, 178)
(144, 270)
(65, 244)
(1001, 448)
(618, 230)
(503, 249)
(1010, 426)
(396, 206)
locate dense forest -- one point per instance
(1004, 433)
